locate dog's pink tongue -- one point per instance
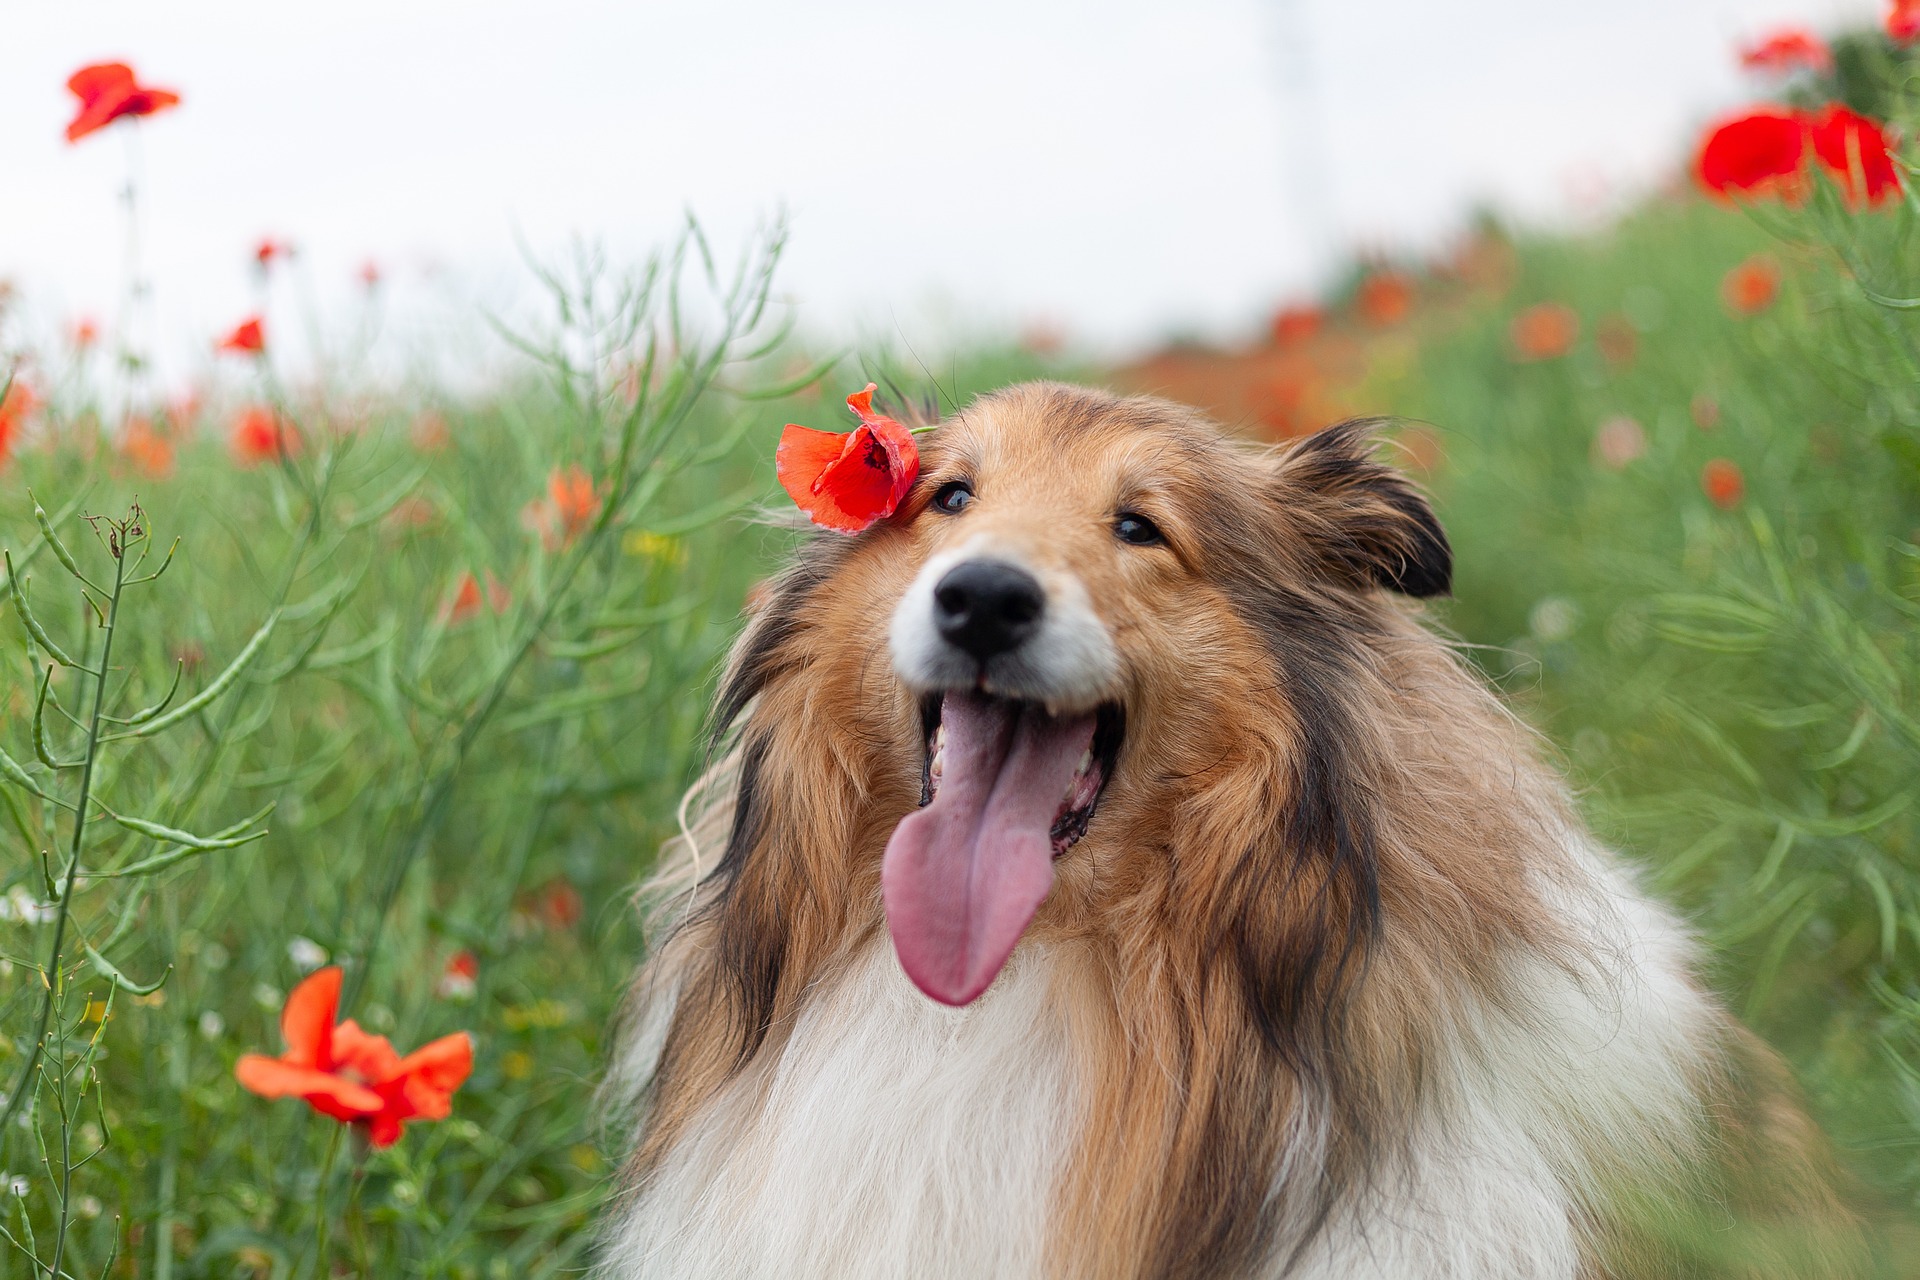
(964, 875)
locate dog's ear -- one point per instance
(1365, 521)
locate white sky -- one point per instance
(1120, 168)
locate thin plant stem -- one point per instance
(320, 1197)
(55, 978)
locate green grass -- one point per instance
(437, 785)
(1733, 692)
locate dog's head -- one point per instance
(1099, 607)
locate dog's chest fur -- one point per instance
(891, 1136)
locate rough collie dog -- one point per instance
(1106, 875)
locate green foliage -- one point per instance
(1733, 689)
(311, 745)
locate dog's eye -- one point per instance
(1136, 530)
(953, 496)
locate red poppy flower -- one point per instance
(1295, 325)
(249, 338)
(268, 249)
(1785, 50)
(260, 435)
(147, 449)
(1751, 287)
(342, 1072)
(559, 905)
(1761, 152)
(1544, 331)
(845, 481)
(1903, 21)
(370, 274)
(1723, 484)
(460, 979)
(1385, 298)
(14, 410)
(85, 332)
(467, 598)
(574, 500)
(108, 91)
(465, 603)
(1854, 148)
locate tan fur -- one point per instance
(1212, 1137)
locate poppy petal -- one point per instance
(373, 1057)
(800, 463)
(307, 1021)
(439, 1068)
(325, 1092)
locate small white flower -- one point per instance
(19, 1186)
(211, 1024)
(90, 1206)
(19, 905)
(306, 954)
(266, 995)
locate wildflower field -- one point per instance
(333, 705)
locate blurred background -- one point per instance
(1114, 170)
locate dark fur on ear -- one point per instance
(1365, 520)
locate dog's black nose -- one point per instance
(987, 606)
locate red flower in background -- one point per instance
(467, 599)
(269, 249)
(1544, 331)
(1854, 148)
(15, 407)
(574, 500)
(370, 274)
(1903, 21)
(1765, 153)
(1295, 325)
(566, 512)
(461, 978)
(1785, 50)
(1723, 484)
(559, 904)
(108, 91)
(85, 333)
(1751, 287)
(845, 481)
(249, 338)
(261, 435)
(148, 450)
(1385, 298)
(1761, 152)
(342, 1072)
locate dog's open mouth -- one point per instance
(1083, 791)
(1006, 789)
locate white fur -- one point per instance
(890, 1136)
(1580, 1074)
(1069, 663)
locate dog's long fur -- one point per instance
(1336, 984)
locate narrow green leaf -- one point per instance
(59, 548)
(33, 626)
(221, 683)
(105, 969)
